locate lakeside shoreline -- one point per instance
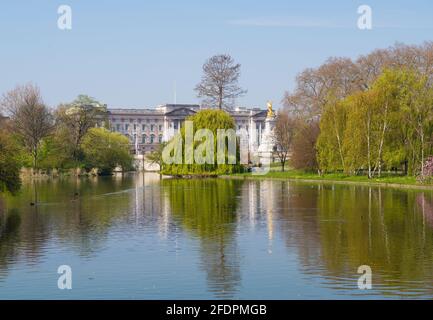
(330, 181)
(249, 176)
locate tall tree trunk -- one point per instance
(422, 151)
(405, 165)
(368, 147)
(339, 141)
(35, 158)
(220, 98)
(382, 139)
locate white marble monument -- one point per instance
(266, 147)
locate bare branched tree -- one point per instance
(219, 83)
(30, 119)
(315, 88)
(284, 132)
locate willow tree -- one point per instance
(210, 148)
(330, 141)
(363, 132)
(416, 103)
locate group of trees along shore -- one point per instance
(364, 116)
(71, 136)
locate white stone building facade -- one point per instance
(147, 128)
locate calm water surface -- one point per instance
(141, 237)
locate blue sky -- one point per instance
(130, 53)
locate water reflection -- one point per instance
(207, 209)
(216, 238)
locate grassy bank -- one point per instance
(392, 180)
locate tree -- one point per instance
(212, 120)
(219, 83)
(317, 88)
(342, 76)
(388, 89)
(416, 105)
(106, 150)
(9, 164)
(330, 141)
(30, 118)
(360, 133)
(77, 117)
(155, 157)
(304, 153)
(284, 132)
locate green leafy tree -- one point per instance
(76, 118)
(155, 157)
(106, 150)
(10, 164)
(212, 120)
(363, 132)
(416, 104)
(330, 141)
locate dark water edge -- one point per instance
(140, 237)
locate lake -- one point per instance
(140, 237)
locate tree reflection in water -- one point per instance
(207, 209)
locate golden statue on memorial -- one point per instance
(271, 113)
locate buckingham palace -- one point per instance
(148, 127)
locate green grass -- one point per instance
(387, 178)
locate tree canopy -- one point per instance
(219, 84)
(106, 150)
(212, 120)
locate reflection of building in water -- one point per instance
(258, 201)
(292, 210)
(149, 204)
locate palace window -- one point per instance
(118, 127)
(152, 138)
(126, 127)
(152, 127)
(160, 138)
(143, 138)
(160, 127)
